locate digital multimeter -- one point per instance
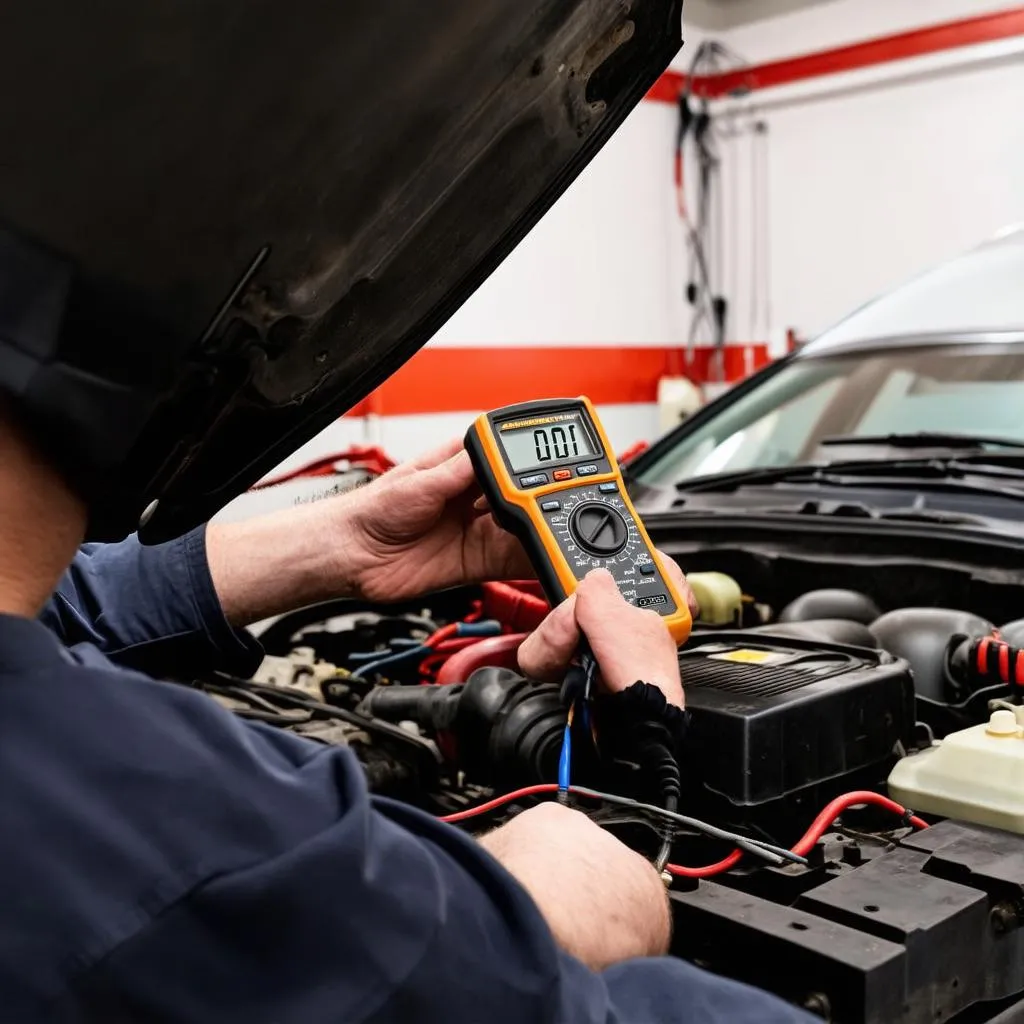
(551, 479)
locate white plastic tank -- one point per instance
(974, 775)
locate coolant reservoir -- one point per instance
(719, 596)
(975, 775)
(678, 399)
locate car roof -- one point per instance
(977, 297)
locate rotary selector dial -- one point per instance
(594, 530)
(598, 528)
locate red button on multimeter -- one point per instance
(581, 520)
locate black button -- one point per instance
(648, 569)
(550, 506)
(533, 481)
(652, 599)
(586, 470)
(608, 488)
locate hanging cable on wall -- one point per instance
(755, 232)
(692, 112)
(703, 220)
(761, 143)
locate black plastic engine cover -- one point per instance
(780, 725)
(923, 932)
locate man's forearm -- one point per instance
(274, 563)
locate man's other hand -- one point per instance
(422, 527)
(629, 643)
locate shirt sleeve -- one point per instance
(149, 608)
(383, 915)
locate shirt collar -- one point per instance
(27, 646)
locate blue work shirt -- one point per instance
(164, 861)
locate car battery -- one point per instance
(780, 725)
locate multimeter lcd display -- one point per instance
(540, 442)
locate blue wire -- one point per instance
(373, 666)
(565, 760)
(488, 627)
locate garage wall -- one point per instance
(873, 174)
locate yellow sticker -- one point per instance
(747, 656)
(537, 421)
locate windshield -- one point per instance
(962, 389)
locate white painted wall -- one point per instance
(719, 15)
(825, 25)
(876, 174)
(594, 271)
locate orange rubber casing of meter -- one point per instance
(551, 479)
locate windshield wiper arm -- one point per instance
(911, 514)
(804, 472)
(921, 439)
(928, 474)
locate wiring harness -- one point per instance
(745, 845)
(989, 659)
(455, 631)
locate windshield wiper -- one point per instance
(858, 510)
(806, 472)
(933, 475)
(921, 439)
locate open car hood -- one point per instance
(305, 191)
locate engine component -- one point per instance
(719, 598)
(398, 762)
(922, 637)
(830, 631)
(974, 774)
(336, 630)
(496, 652)
(300, 670)
(831, 604)
(507, 731)
(975, 663)
(879, 935)
(780, 725)
(1013, 632)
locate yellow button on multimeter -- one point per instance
(551, 479)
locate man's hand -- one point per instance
(423, 527)
(629, 643)
(603, 902)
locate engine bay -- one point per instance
(801, 706)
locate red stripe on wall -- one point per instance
(984, 28)
(667, 88)
(464, 379)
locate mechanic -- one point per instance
(166, 861)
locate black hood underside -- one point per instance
(278, 204)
